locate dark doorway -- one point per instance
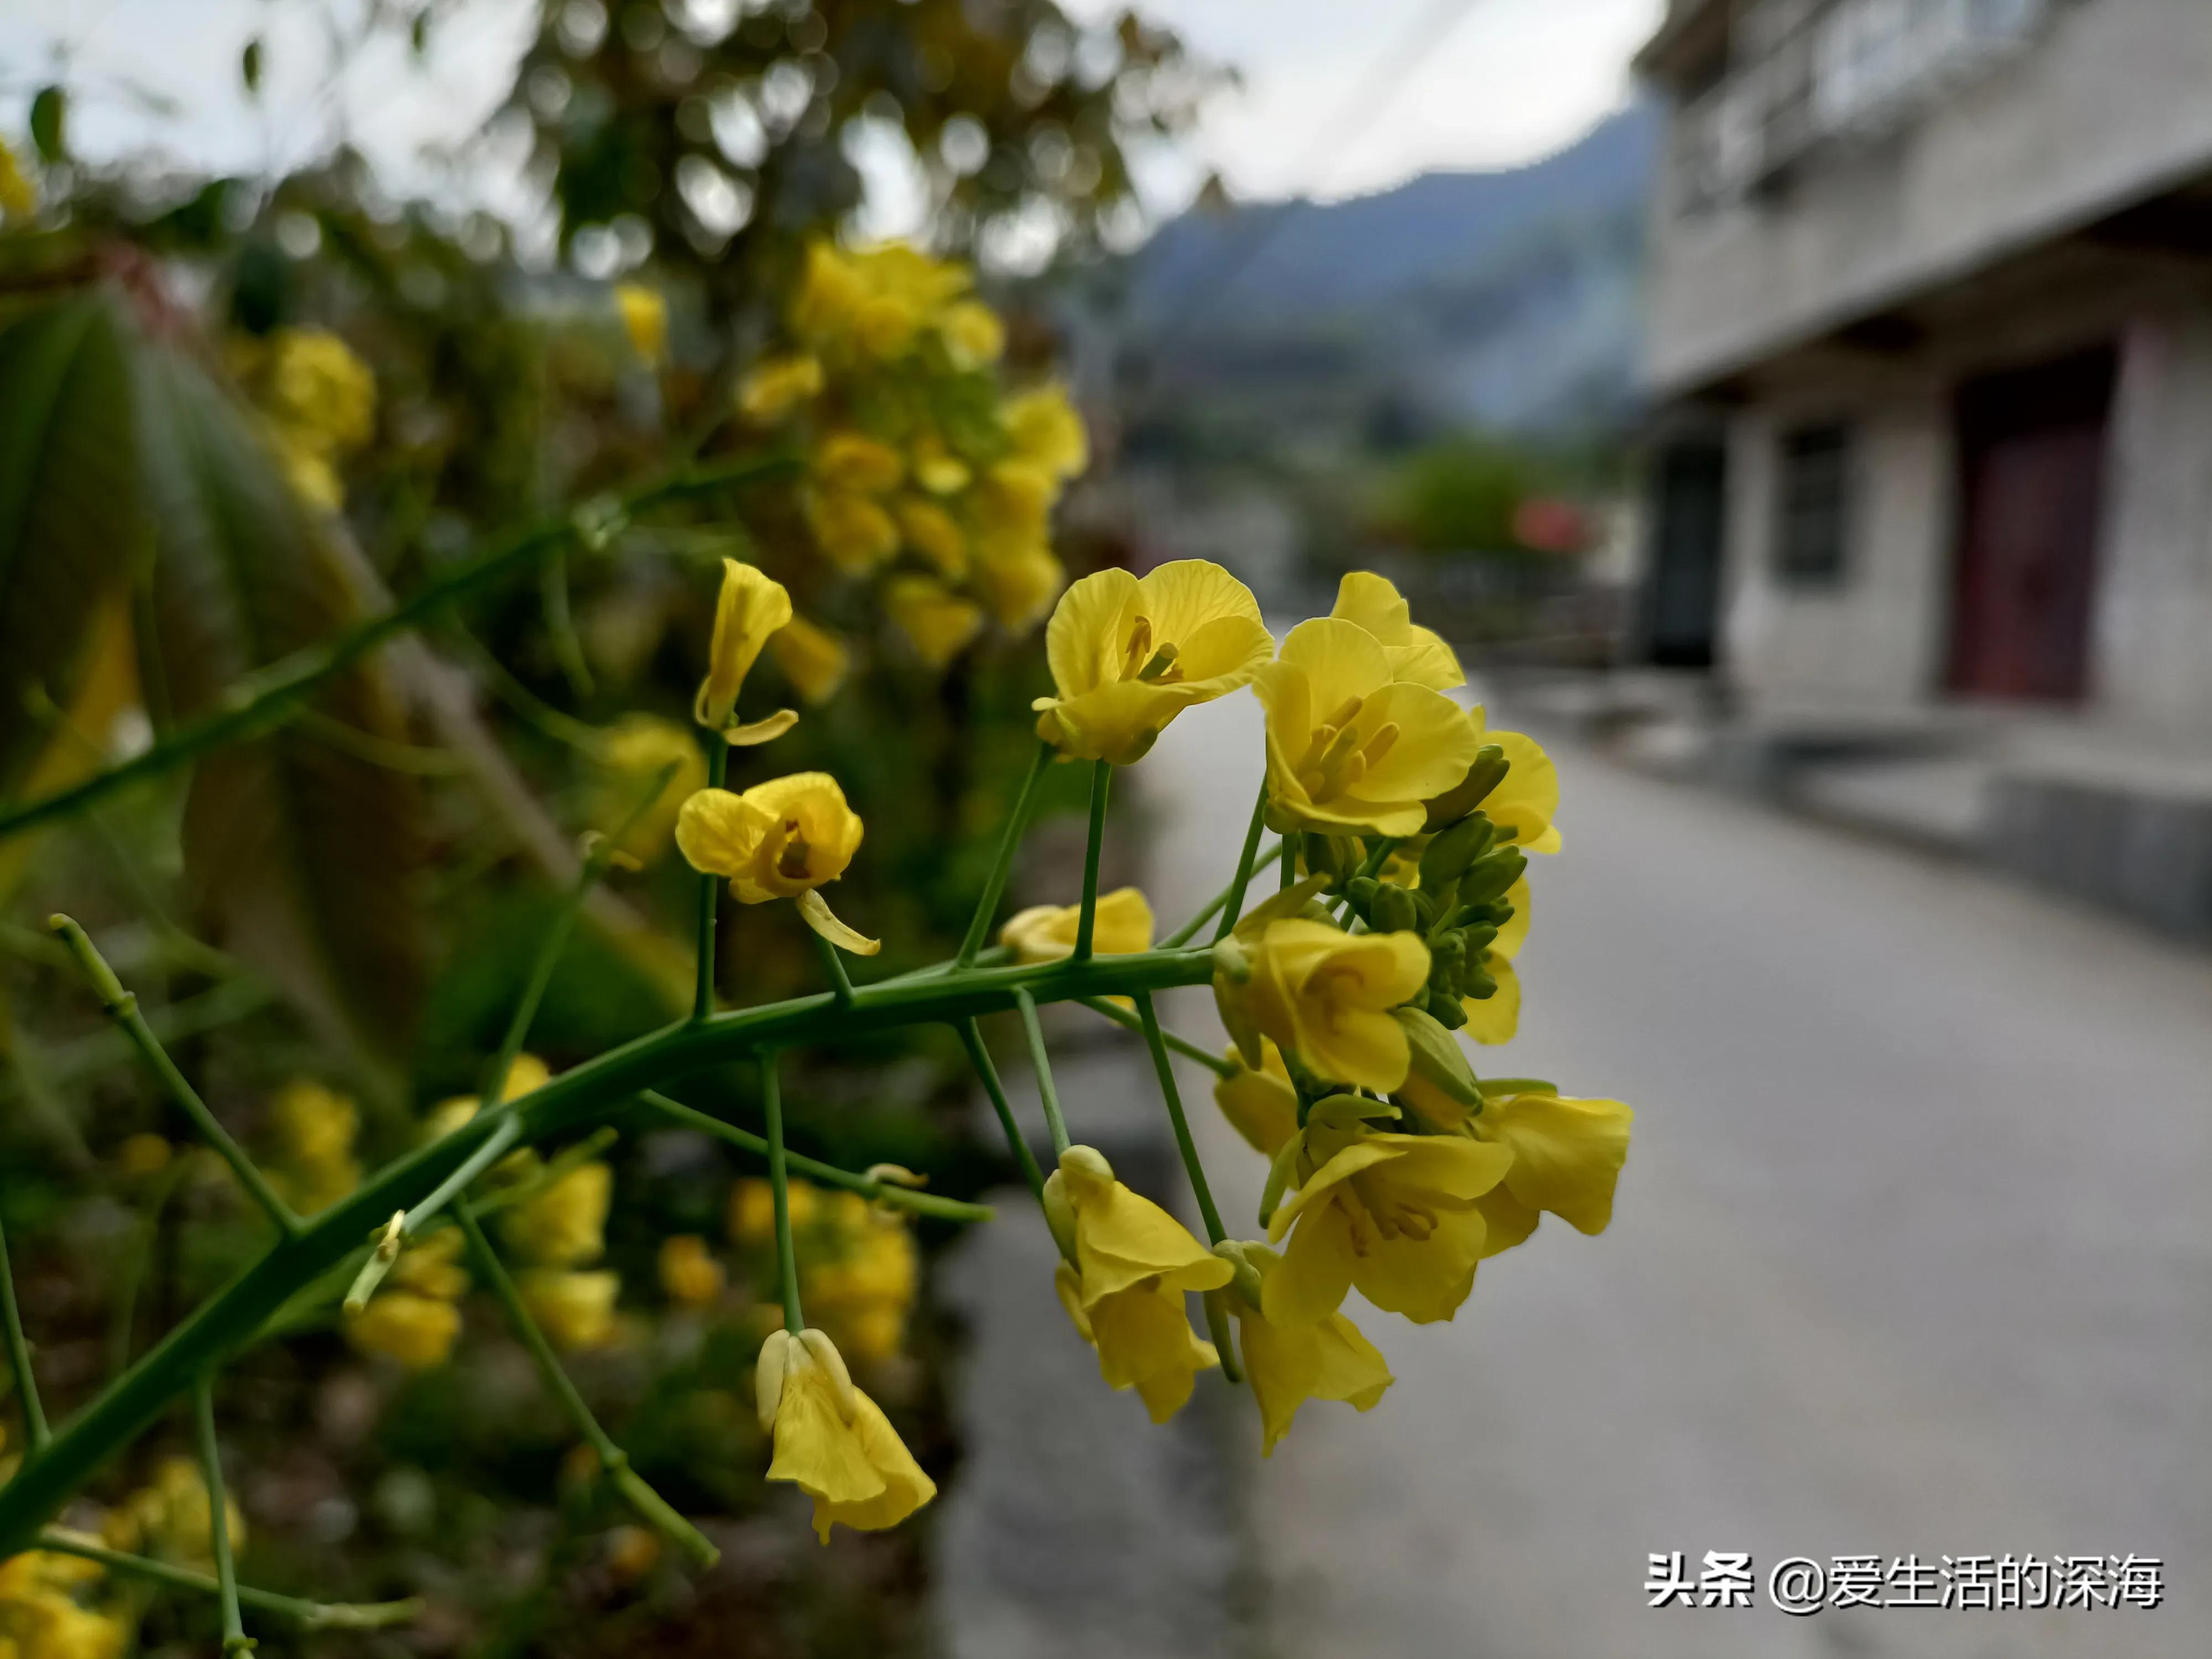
(1681, 601)
(2032, 455)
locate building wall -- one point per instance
(1873, 641)
(2152, 633)
(2108, 105)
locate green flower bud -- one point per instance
(1391, 911)
(1489, 876)
(1437, 1057)
(1447, 857)
(1486, 774)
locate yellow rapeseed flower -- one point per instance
(1394, 1214)
(565, 1225)
(1326, 996)
(856, 462)
(937, 622)
(1289, 1365)
(832, 1441)
(974, 336)
(1415, 653)
(1521, 804)
(432, 1268)
(633, 751)
(1351, 746)
(1259, 1101)
(1046, 432)
(576, 1311)
(865, 1288)
(1132, 1265)
(169, 1517)
(689, 1273)
(1129, 654)
(1046, 932)
(814, 659)
(783, 839)
(526, 1075)
(752, 1209)
(317, 386)
(645, 320)
(855, 532)
(1567, 1158)
(314, 1129)
(749, 610)
(417, 1330)
(777, 385)
(1020, 588)
(934, 533)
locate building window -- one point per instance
(1812, 536)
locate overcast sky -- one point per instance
(1498, 82)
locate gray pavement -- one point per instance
(1913, 1254)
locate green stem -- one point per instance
(710, 888)
(650, 1505)
(579, 1099)
(1189, 931)
(1215, 1230)
(123, 1008)
(234, 1638)
(126, 1313)
(19, 1355)
(1182, 1045)
(1041, 1063)
(1233, 906)
(833, 965)
(883, 1191)
(779, 1181)
(994, 888)
(1101, 782)
(266, 696)
(382, 1259)
(971, 1038)
(310, 1615)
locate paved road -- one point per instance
(1913, 1254)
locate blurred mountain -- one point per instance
(1507, 299)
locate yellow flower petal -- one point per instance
(1416, 654)
(750, 608)
(1260, 1104)
(937, 622)
(1495, 1019)
(814, 910)
(814, 659)
(1046, 932)
(1567, 1153)
(1529, 798)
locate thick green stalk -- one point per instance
(710, 888)
(234, 1638)
(309, 1615)
(267, 697)
(1214, 906)
(650, 1505)
(1041, 1062)
(779, 1181)
(1182, 1045)
(122, 1008)
(1150, 1021)
(577, 1099)
(987, 908)
(1233, 906)
(19, 1354)
(883, 1191)
(971, 1038)
(1086, 922)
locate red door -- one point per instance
(2032, 443)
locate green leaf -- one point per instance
(305, 855)
(70, 510)
(49, 109)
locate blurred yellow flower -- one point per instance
(974, 336)
(855, 532)
(783, 839)
(431, 1266)
(1020, 589)
(749, 610)
(689, 1273)
(576, 1311)
(1133, 1263)
(1009, 510)
(315, 1130)
(831, 1440)
(777, 385)
(1046, 932)
(865, 1285)
(1046, 432)
(645, 320)
(1128, 654)
(1415, 653)
(937, 622)
(752, 1209)
(317, 386)
(855, 461)
(18, 197)
(169, 1517)
(632, 752)
(565, 1226)
(143, 1155)
(1326, 996)
(814, 659)
(936, 469)
(526, 1075)
(1289, 1365)
(933, 532)
(417, 1330)
(1350, 747)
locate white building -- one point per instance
(1932, 342)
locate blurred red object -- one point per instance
(1545, 524)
